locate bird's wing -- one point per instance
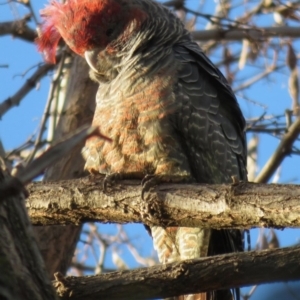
(210, 120)
(211, 126)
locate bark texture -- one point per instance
(191, 276)
(242, 205)
(23, 275)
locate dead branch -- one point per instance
(192, 276)
(242, 205)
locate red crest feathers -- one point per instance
(82, 24)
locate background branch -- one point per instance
(198, 275)
(246, 33)
(21, 30)
(29, 84)
(18, 29)
(283, 149)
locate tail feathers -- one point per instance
(215, 295)
(226, 241)
(202, 296)
(181, 243)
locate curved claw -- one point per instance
(151, 180)
(110, 179)
(147, 178)
(148, 182)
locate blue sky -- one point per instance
(22, 121)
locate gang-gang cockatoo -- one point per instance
(170, 112)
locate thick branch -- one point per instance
(18, 29)
(244, 33)
(199, 275)
(23, 275)
(218, 206)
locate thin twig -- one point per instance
(280, 153)
(256, 78)
(30, 83)
(55, 80)
(32, 13)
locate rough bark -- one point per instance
(23, 275)
(191, 276)
(242, 205)
(57, 243)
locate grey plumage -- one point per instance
(168, 109)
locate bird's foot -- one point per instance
(111, 179)
(150, 181)
(93, 179)
(235, 180)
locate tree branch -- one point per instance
(75, 95)
(237, 34)
(23, 274)
(191, 276)
(21, 30)
(18, 29)
(243, 205)
(283, 149)
(30, 83)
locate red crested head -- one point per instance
(85, 24)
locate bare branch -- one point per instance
(246, 33)
(186, 277)
(30, 83)
(18, 29)
(284, 149)
(256, 78)
(242, 205)
(53, 87)
(252, 149)
(21, 30)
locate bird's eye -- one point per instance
(109, 31)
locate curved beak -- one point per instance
(91, 59)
